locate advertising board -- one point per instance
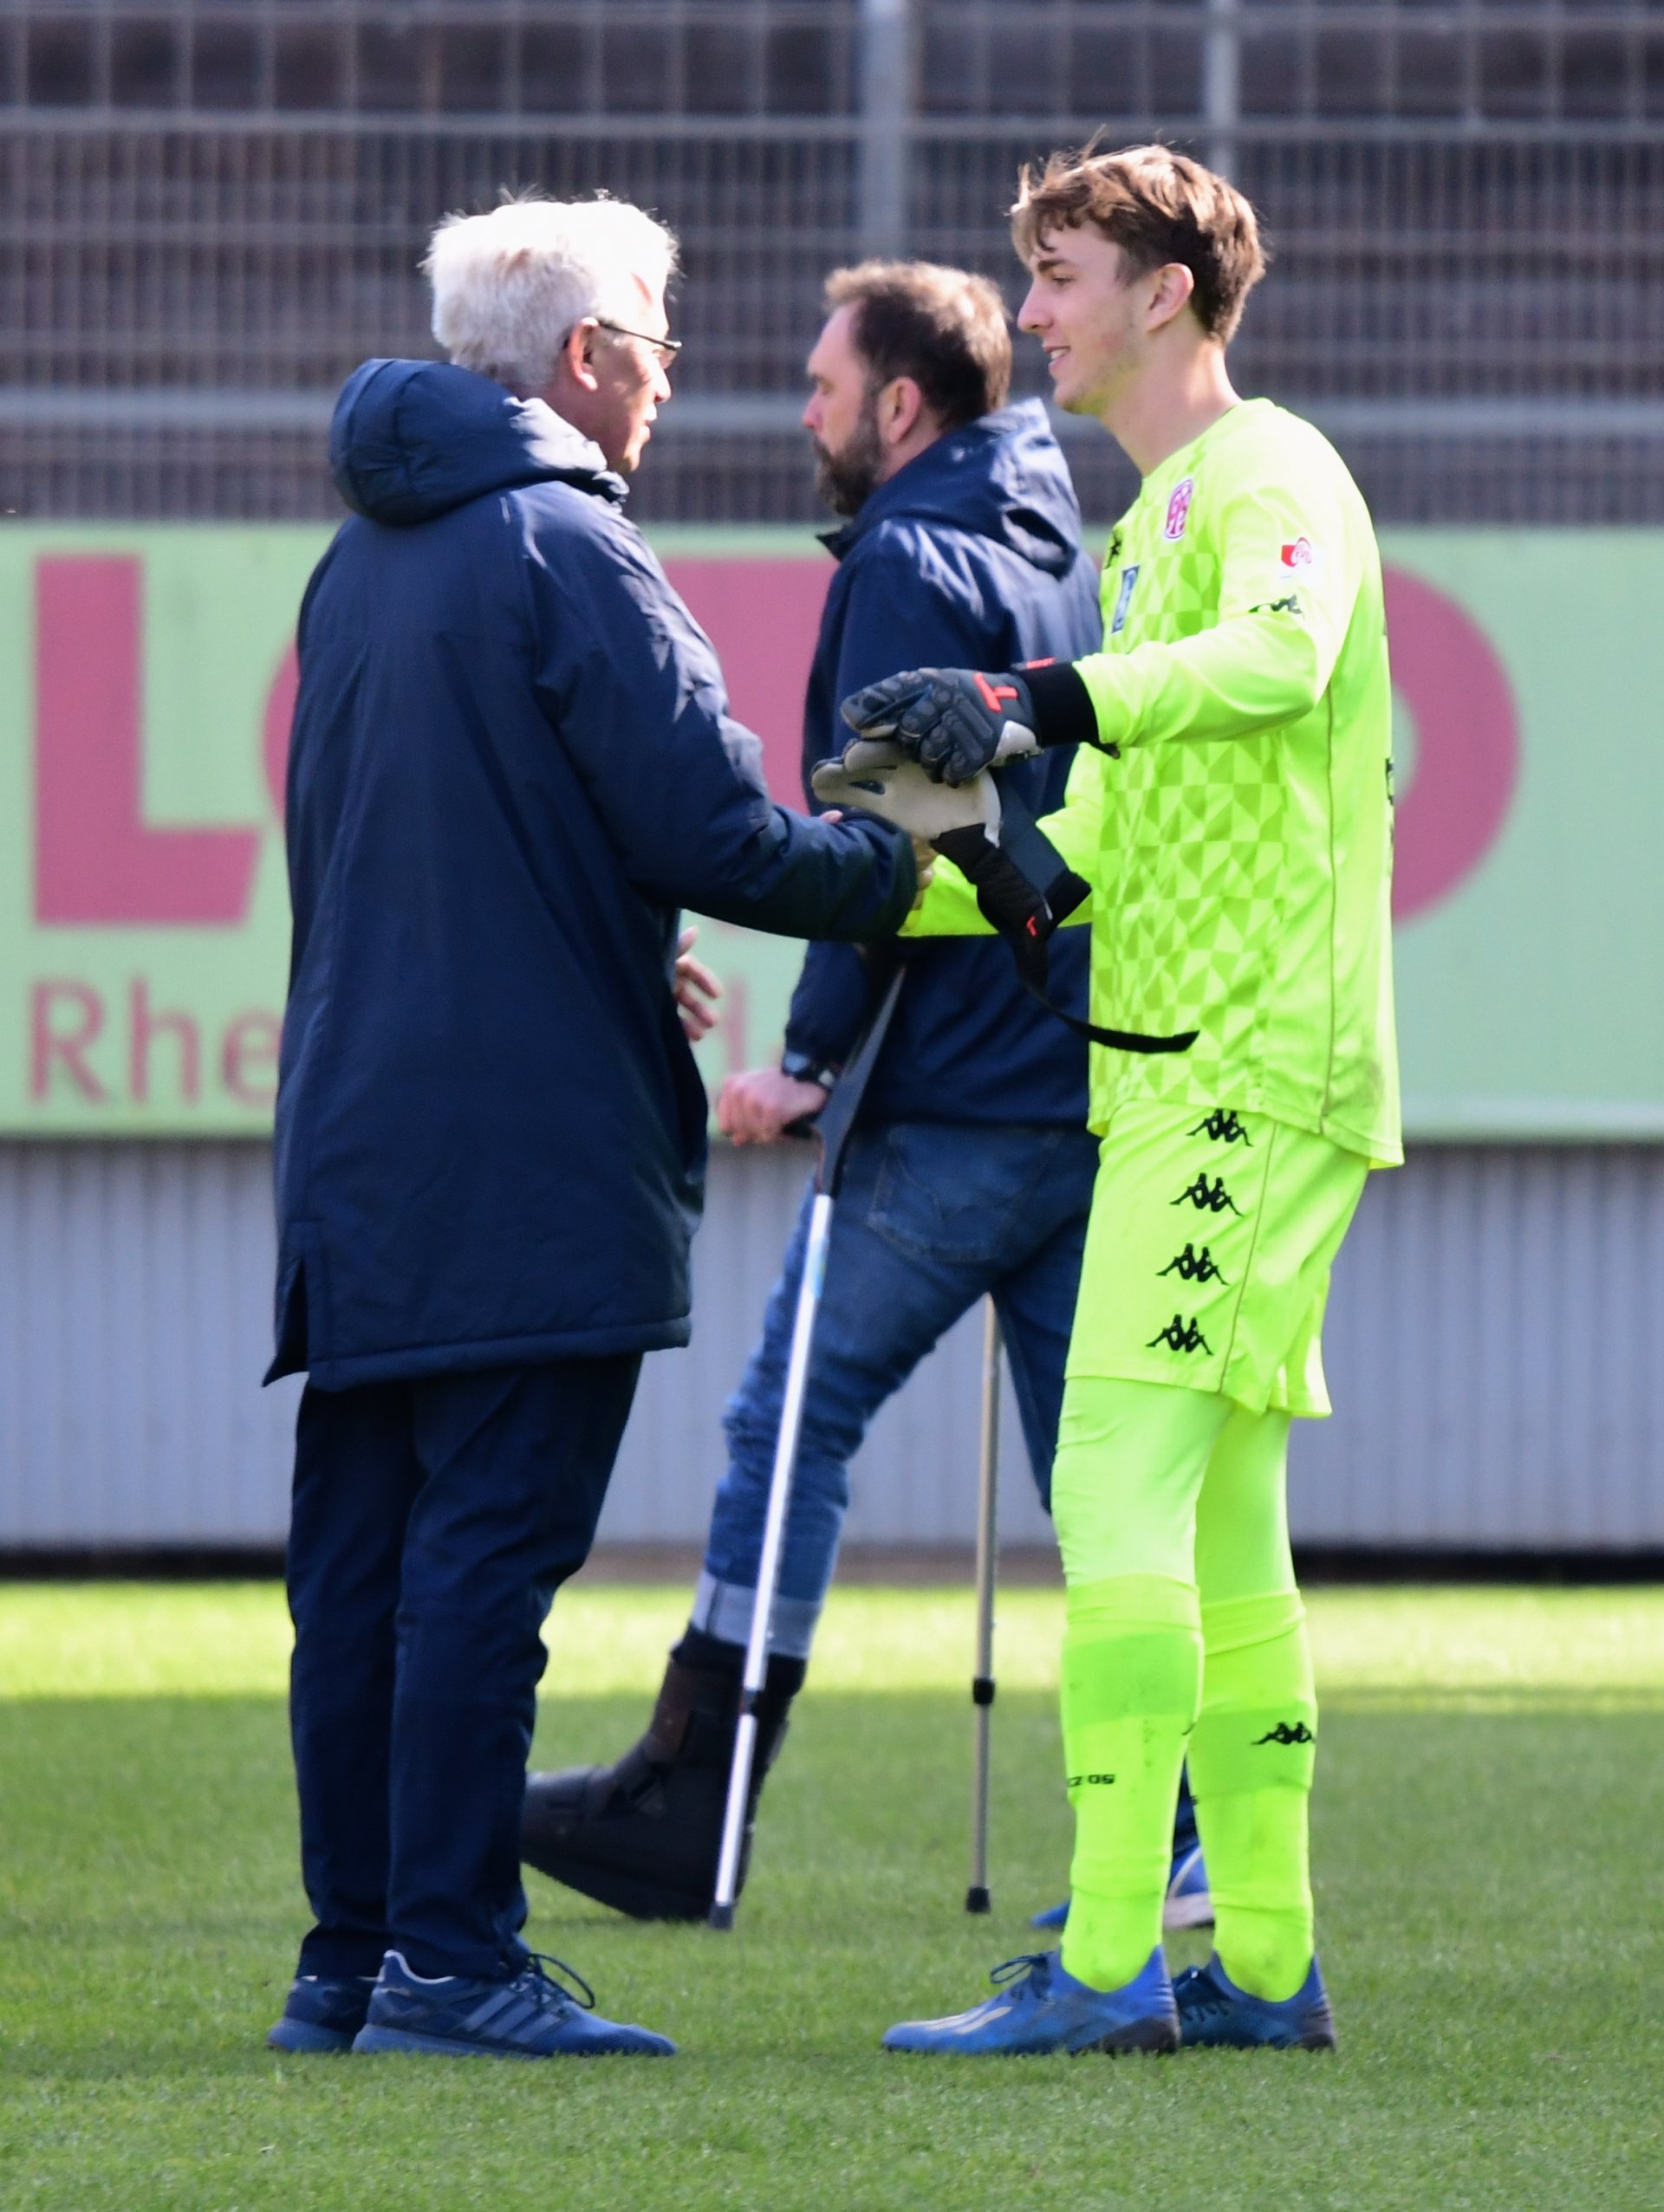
(148, 675)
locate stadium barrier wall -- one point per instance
(1493, 1349)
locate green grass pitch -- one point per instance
(1489, 1802)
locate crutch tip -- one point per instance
(720, 1916)
(977, 1899)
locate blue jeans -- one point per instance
(932, 1215)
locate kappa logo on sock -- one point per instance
(1190, 1266)
(1284, 1733)
(1222, 1128)
(1208, 1197)
(1099, 1782)
(1180, 1335)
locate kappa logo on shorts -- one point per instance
(1284, 1733)
(1179, 509)
(1208, 1197)
(1190, 1266)
(1222, 1128)
(1180, 1335)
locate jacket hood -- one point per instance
(1003, 477)
(412, 440)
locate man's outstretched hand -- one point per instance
(955, 721)
(759, 1106)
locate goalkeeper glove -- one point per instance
(956, 722)
(1023, 886)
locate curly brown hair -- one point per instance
(1158, 206)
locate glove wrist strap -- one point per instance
(1063, 712)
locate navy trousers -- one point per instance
(434, 1522)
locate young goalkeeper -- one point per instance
(1230, 813)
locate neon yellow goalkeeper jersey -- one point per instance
(1239, 849)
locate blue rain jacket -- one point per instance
(969, 557)
(512, 764)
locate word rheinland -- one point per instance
(122, 1048)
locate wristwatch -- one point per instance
(803, 1067)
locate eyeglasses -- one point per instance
(665, 350)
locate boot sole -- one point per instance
(1139, 2039)
(1153, 2039)
(373, 2042)
(1319, 2042)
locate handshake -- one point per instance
(921, 757)
(924, 744)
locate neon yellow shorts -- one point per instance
(1208, 1254)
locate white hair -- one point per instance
(507, 287)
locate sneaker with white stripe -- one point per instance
(531, 2016)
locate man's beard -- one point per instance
(847, 479)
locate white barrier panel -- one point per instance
(1494, 1349)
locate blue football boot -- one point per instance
(1187, 1904)
(324, 2011)
(533, 2016)
(1039, 2008)
(1213, 2012)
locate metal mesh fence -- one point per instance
(211, 210)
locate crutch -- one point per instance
(832, 1127)
(977, 1898)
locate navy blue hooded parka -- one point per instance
(512, 764)
(968, 557)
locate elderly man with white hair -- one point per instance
(512, 765)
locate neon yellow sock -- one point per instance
(1132, 1669)
(1250, 1768)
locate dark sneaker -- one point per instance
(1187, 1904)
(643, 1835)
(533, 2016)
(1038, 2008)
(324, 2012)
(1213, 2011)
